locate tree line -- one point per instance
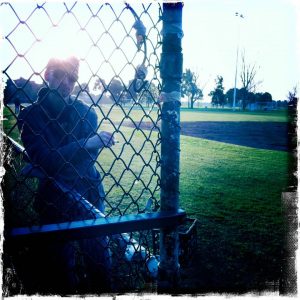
(25, 91)
(245, 95)
(116, 91)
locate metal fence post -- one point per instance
(171, 74)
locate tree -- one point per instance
(292, 98)
(100, 85)
(248, 77)
(250, 96)
(217, 95)
(282, 103)
(190, 87)
(131, 93)
(22, 90)
(259, 97)
(115, 88)
(149, 94)
(229, 96)
(81, 88)
(266, 97)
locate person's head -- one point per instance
(62, 74)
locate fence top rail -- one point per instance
(100, 226)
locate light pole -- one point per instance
(237, 58)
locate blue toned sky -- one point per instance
(34, 34)
(267, 33)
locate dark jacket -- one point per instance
(54, 134)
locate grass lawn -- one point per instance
(192, 115)
(234, 192)
(238, 178)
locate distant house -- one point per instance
(262, 106)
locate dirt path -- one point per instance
(262, 135)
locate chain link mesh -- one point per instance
(118, 80)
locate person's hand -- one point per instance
(98, 141)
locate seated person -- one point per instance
(60, 138)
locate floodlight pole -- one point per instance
(171, 65)
(236, 61)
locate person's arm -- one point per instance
(52, 160)
(98, 141)
(93, 142)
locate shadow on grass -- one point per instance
(261, 135)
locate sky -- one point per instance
(37, 39)
(268, 35)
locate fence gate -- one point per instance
(129, 78)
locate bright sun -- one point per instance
(105, 47)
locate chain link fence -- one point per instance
(118, 46)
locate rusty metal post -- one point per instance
(171, 74)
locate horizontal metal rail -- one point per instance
(19, 148)
(94, 227)
(98, 227)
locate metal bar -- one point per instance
(19, 148)
(94, 227)
(171, 74)
(97, 227)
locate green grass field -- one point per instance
(234, 192)
(227, 177)
(223, 115)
